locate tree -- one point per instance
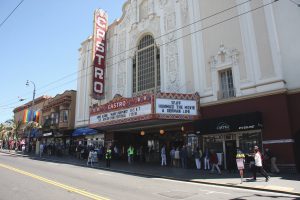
(2, 129)
(13, 127)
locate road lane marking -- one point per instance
(66, 187)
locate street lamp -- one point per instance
(27, 84)
(33, 96)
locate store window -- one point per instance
(214, 142)
(146, 67)
(248, 140)
(54, 118)
(64, 116)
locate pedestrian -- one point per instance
(116, 152)
(108, 156)
(90, 158)
(183, 157)
(177, 157)
(41, 149)
(172, 157)
(206, 158)
(270, 156)
(197, 155)
(240, 162)
(130, 153)
(163, 156)
(23, 148)
(258, 165)
(214, 162)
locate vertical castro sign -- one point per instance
(99, 52)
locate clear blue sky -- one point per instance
(40, 42)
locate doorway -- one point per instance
(230, 149)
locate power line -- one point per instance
(207, 27)
(296, 3)
(223, 21)
(202, 29)
(11, 13)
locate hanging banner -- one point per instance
(99, 53)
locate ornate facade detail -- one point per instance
(172, 67)
(224, 56)
(143, 10)
(225, 59)
(121, 78)
(170, 21)
(184, 7)
(163, 3)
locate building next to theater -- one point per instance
(58, 114)
(28, 114)
(218, 75)
(50, 121)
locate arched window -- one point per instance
(146, 67)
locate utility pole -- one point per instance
(32, 105)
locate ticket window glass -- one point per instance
(248, 140)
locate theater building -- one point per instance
(218, 75)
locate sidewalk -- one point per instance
(283, 183)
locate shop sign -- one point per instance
(47, 134)
(99, 52)
(122, 114)
(222, 126)
(176, 106)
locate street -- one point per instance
(25, 178)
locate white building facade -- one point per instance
(240, 57)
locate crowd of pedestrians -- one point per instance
(180, 157)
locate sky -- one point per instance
(39, 42)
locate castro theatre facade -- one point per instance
(162, 75)
(146, 122)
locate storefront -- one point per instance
(146, 122)
(224, 135)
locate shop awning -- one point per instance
(233, 123)
(34, 133)
(84, 131)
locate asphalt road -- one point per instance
(24, 178)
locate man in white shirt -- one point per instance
(258, 165)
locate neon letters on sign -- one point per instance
(99, 52)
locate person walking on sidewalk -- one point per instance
(214, 161)
(240, 162)
(90, 158)
(108, 156)
(41, 149)
(177, 157)
(270, 156)
(183, 157)
(258, 165)
(130, 152)
(163, 156)
(206, 158)
(197, 155)
(172, 157)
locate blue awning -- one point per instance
(34, 132)
(84, 131)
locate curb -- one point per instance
(157, 176)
